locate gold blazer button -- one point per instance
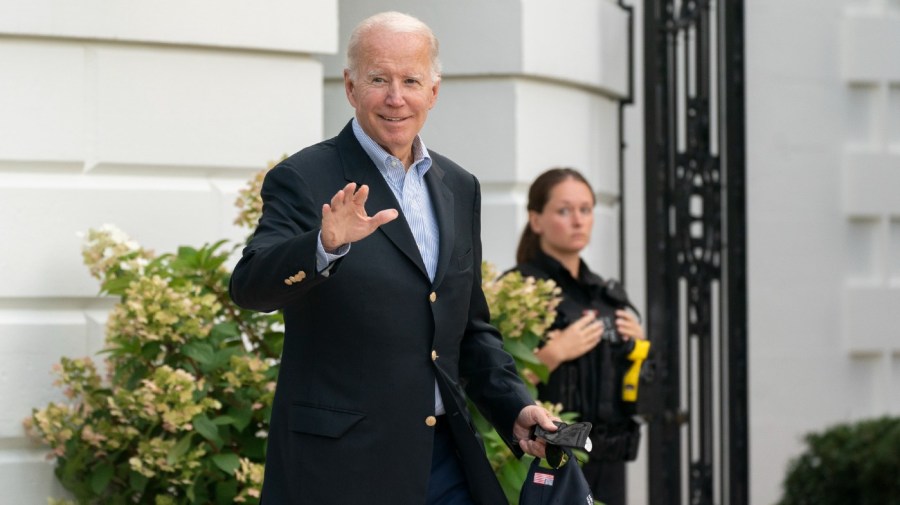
(430, 420)
(434, 356)
(432, 297)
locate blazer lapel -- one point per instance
(358, 168)
(442, 200)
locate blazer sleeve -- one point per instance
(283, 245)
(492, 381)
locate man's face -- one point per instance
(393, 90)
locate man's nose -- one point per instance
(395, 95)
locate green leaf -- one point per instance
(511, 477)
(151, 350)
(210, 258)
(540, 370)
(223, 420)
(241, 417)
(74, 462)
(100, 478)
(223, 356)
(130, 378)
(275, 341)
(214, 262)
(224, 331)
(205, 427)
(117, 499)
(180, 449)
(253, 447)
(226, 491)
(213, 248)
(227, 462)
(117, 286)
(69, 470)
(187, 253)
(137, 482)
(520, 350)
(201, 352)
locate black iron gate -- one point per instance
(696, 251)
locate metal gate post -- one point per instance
(696, 251)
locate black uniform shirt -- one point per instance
(588, 384)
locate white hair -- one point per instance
(395, 22)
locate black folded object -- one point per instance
(573, 436)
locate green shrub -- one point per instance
(181, 413)
(856, 464)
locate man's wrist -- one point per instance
(325, 257)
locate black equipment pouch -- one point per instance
(616, 441)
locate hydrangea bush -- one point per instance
(178, 411)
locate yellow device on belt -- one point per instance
(633, 375)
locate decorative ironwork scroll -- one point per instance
(696, 251)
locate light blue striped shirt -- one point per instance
(409, 188)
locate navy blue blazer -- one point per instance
(364, 345)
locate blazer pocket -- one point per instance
(465, 260)
(322, 421)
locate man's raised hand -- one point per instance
(344, 219)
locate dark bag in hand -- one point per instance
(565, 485)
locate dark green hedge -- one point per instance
(848, 464)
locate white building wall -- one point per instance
(148, 115)
(823, 109)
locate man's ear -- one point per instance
(435, 88)
(349, 87)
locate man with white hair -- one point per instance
(370, 245)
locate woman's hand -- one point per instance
(574, 341)
(628, 326)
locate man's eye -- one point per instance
(563, 212)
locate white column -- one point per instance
(527, 85)
(145, 114)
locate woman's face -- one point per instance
(565, 223)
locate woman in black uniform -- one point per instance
(586, 345)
